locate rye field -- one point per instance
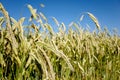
(37, 52)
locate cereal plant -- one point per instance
(37, 52)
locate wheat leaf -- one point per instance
(1, 21)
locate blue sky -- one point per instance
(106, 11)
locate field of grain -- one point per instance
(37, 52)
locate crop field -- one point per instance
(37, 52)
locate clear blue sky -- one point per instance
(106, 11)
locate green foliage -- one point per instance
(28, 53)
